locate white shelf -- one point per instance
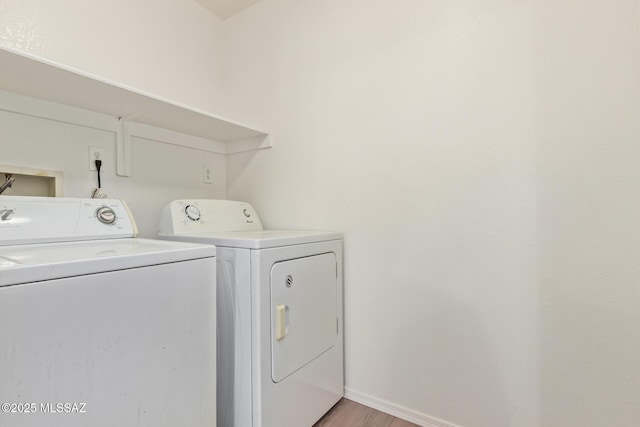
(39, 78)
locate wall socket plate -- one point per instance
(207, 175)
(95, 153)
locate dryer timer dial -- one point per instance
(192, 212)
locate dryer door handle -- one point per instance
(282, 321)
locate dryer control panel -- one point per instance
(26, 220)
(198, 216)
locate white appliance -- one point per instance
(280, 338)
(98, 328)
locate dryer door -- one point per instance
(303, 312)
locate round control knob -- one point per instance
(106, 215)
(193, 213)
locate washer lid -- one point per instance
(36, 262)
(259, 239)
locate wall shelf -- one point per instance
(36, 77)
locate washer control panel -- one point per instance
(57, 219)
(208, 215)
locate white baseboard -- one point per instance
(407, 414)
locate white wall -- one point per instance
(169, 48)
(479, 156)
(588, 149)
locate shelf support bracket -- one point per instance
(123, 148)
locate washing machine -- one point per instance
(98, 327)
(280, 335)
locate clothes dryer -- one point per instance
(280, 335)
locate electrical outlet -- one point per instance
(95, 153)
(207, 177)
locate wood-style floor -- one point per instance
(347, 413)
